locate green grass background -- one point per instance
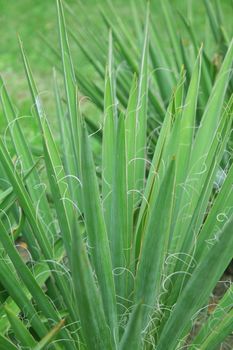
(28, 18)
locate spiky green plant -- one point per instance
(169, 49)
(125, 257)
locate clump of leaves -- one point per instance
(174, 42)
(126, 257)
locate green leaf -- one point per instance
(41, 273)
(96, 231)
(20, 330)
(141, 113)
(130, 136)
(218, 325)
(132, 338)
(118, 239)
(14, 288)
(154, 245)
(58, 186)
(93, 321)
(70, 87)
(171, 28)
(201, 283)
(109, 135)
(24, 153)
(212, 111)
(39, 296)
(6, 344)
(50, 336)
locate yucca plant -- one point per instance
(123, 256)
(167, 52)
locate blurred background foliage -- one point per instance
(29, 19)
(32, 20)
